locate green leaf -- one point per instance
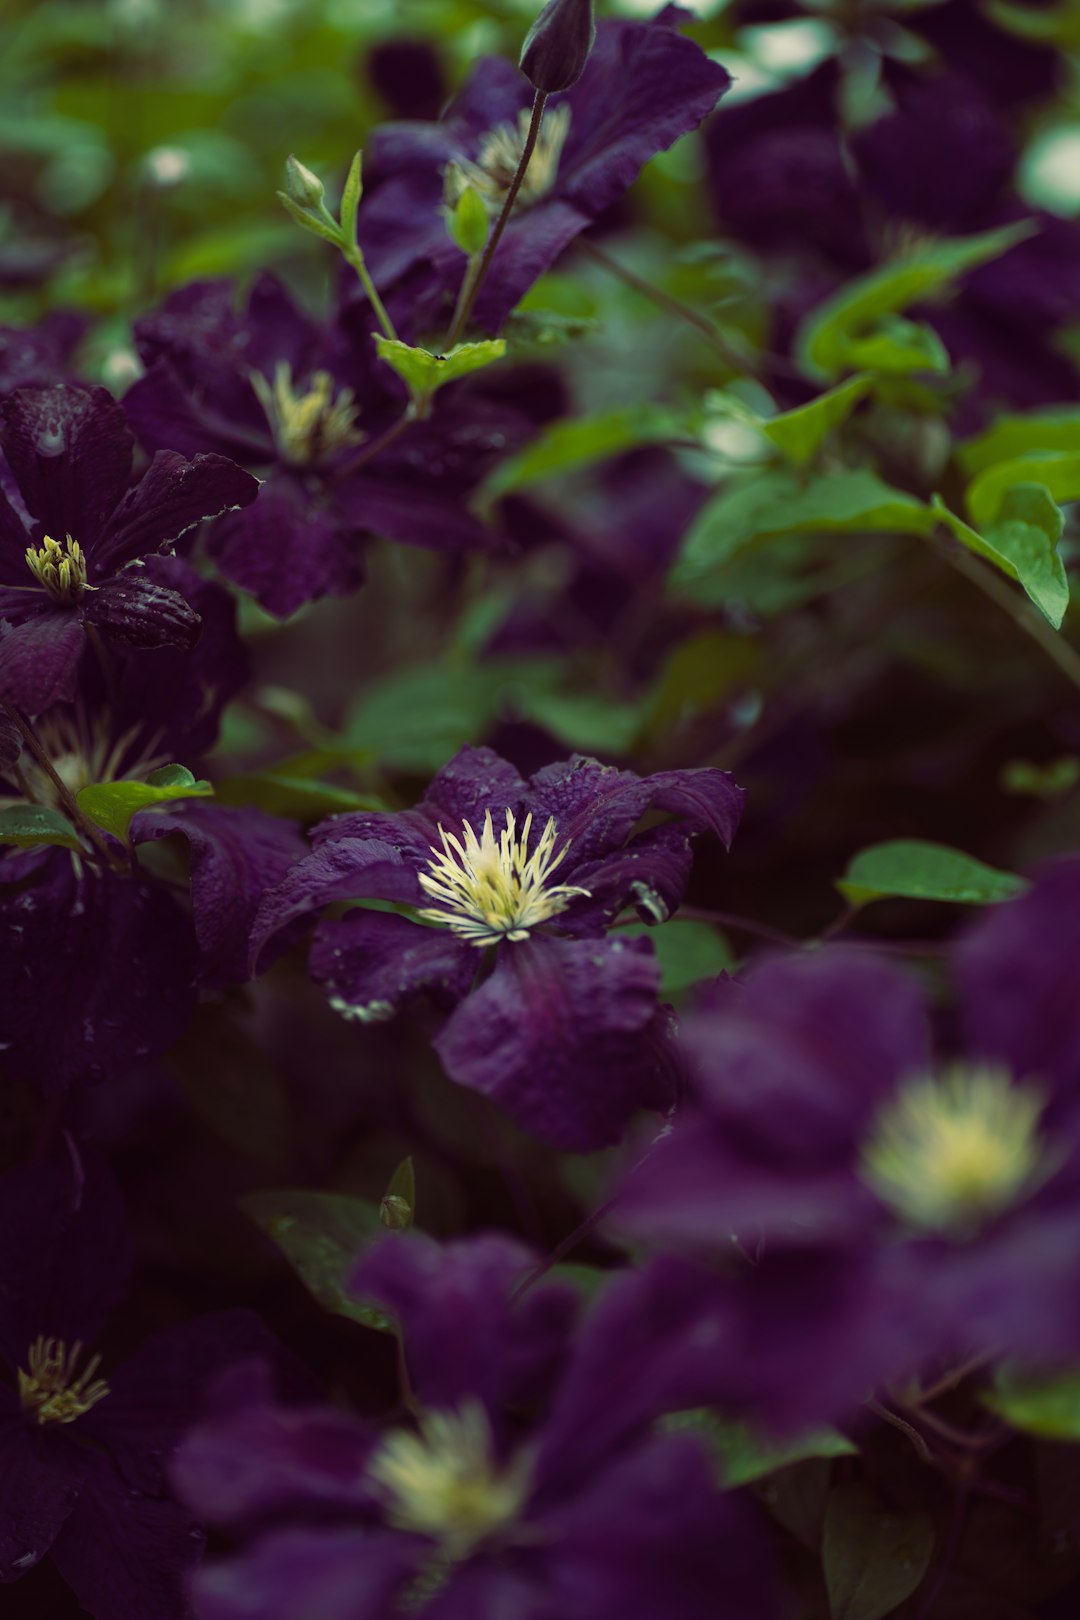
(777, 504)
(300, 798)
(1013, 436)
(424, 373)
(915, 870)
(1048, 1406)
(828, 341)
(350, 198)
(112, 805)
(585, 721)
(28, 824)
(321, 1235)
(872, 1559)
(415, 719)
(742, 1454)
(569, 445)
(310, 222)
(800, 433)
(469, 223)
(688, 952)
(1057, 471)
(899, 347)
(1023, 545)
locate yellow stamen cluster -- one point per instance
(50, 1391)
(493, 170)
(61, 569)
(489, 888)
(948, 1154)
(445, 1482)
(307, 426)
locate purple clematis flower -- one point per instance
(824, 1122)
(298, 402)
(643, 88)
(518, 1492)
(72, 560)
(84, 1443)
(121, 941)
(514, 886)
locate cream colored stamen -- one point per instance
(492, 172)
(489, 888)
(61, 569)
(307, 426)
(51, 1392)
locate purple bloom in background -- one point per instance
(297, 402)
(84, 1444)
(72, 558)
(483, 1509)
(42, 353)
(823, 1122)
(562, 1028)
(643, 88)
(119, 940)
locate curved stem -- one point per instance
(355, 258)
(375, 447)
(475, 279)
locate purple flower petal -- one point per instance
(236, 856)
(553, 1036)
(298, 1574)
(291, 547)
(39, 659)
(352, 869)
(372, 962)
(172, 496)
(39, 1486)
(141, 613)
(70, 451)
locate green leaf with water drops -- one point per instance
(111, 805)
(25, 825)
(872, 1558)
(322, 1235)
(913, 869)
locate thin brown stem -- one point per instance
(674, 306)
(375, 447)
(476, 280)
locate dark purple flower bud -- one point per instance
(557, 45)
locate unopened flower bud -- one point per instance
(396, 1213)
(557, 45)
(468, 222)
(302, 184)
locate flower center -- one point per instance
(948, 1154)
(493, 170)
(490, 889)
(445, 1482)
(51, 1391)
(307, 427)
(61, 569)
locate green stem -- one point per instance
(667, 301)
(355, 258)
(475, 281)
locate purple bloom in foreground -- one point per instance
(530, 1485)
(84, 1444)
(823, 1122)
(517, 882)
(72, 559)
(643, 88)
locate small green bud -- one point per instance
(395, 1212)
(468, 223)
(302, 185)
(557, 45)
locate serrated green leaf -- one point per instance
(111, 805)
(872, 1558)
(568, 445)
(322, 1235)
(424, 373)
(1046, 1405)
(860, 310)
(1022, 543)
(1057, 471)
(913, 869)
(350, 198)
(25, 825)
(800, 433)
(742, 1454)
